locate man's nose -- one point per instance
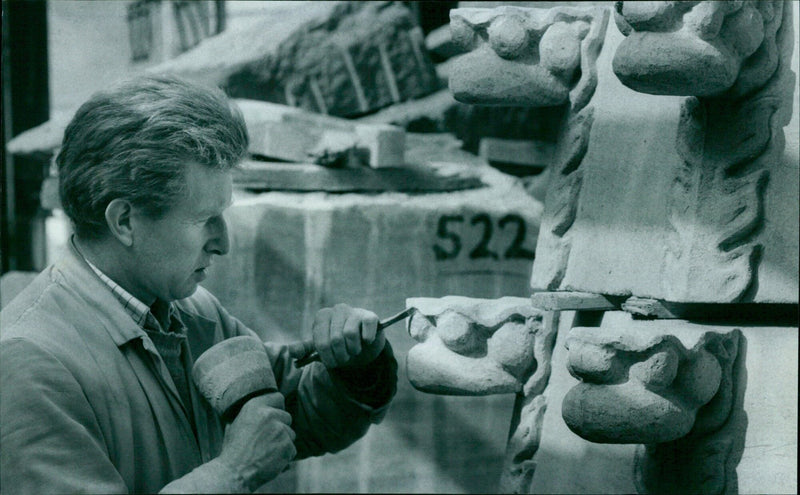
(219, 243)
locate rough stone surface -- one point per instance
(365, 56)
(338, 58)
(713, 219)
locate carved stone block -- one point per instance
(638, 388)
(526, 57)
(345, 59)
(488, 346)
(670, 43)
(711, 218)
(670, 386)
(473, 346)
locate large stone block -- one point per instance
(713, 219)
(345, 59)
(744, 450)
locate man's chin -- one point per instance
(185, 292)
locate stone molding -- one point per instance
(674, 398)
(474, 346)
(730, 130)
(531, 57)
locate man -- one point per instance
(96, 354)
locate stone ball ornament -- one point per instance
(528, 57)
(700, 49)
(635, 388)
(472, 348)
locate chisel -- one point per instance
(312, 356)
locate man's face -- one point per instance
(172, 253)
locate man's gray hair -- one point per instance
(134, 141)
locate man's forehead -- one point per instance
(209, 190)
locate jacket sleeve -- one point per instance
(330, 410)
(51, 441)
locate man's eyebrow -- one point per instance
(214, 210)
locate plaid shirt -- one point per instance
(169, 344)
(138, 310)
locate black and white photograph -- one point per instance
(256, 246)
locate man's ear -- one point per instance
(118, 219)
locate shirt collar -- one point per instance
(133, 306)
(138, 310)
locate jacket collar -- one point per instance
(73, 271)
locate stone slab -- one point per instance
(272, 176)
(289, 133)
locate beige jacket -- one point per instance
(87, 405)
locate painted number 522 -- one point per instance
(451, 246)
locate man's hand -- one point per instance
(259, 443)
(345, 336)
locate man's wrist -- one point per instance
(215, 476)
(373, 383)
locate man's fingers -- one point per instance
(337, 338)
(301, 349)
(352, 335)
(369, 326)
(321, 332)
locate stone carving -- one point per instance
(365, 56)
(527, 57)
(472, 346)
(729, 43)
(487, 346)
(730, 129)
(703, 461)
(652, 390)
(339, 58)
(537, 58)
